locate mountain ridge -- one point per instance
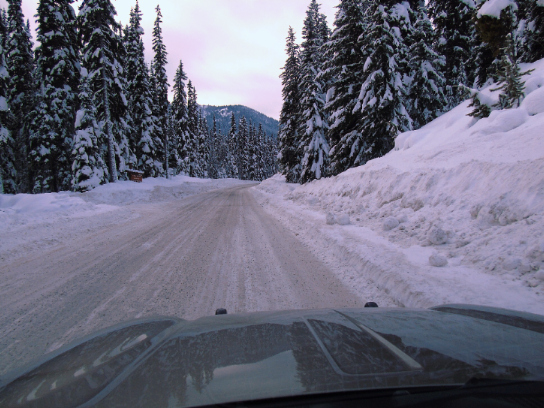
(223, 115)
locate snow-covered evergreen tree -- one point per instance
(290, 117)
(192, 161)
(403, 16)
(21, 90)
(203, 154)
(143, 141)
(345, 64)
(250, 152)
(456, 42)
(171, 148)
(313, 144)
(534, 32)
(509, 78)
(88, 167)
(493, 30)
(243, 155)
(233, 150)
(260, 154)
(213, 156)
(102, 56)
(426, 88)
(481, 109)
(161, 80)
(8, 174)
(221, 152)
(180, 119)
(383, 96)
(57, 70)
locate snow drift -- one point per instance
(30, 222)
(459, 203)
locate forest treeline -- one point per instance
(391, 66)
(84, 106)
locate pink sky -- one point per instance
(232, 50)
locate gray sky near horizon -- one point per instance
(232, 50)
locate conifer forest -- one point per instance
(83, 106)
(391, 66)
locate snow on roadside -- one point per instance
(36, 221)
(454, 214)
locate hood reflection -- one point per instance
(281, 359)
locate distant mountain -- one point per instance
(223, 113)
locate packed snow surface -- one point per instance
(454, 214)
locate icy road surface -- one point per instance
(181, 258)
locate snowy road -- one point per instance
(180, 258)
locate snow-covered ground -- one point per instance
(454, 214)
(33, 222)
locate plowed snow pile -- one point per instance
(37, 221)
(454, 214)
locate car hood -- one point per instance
(226, 358)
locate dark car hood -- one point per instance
(218, 359)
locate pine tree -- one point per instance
(213, 159)
(250, 150)
(383, 97)
(313, 144)
(509, 76)
(379, 113)
(8, 174)
(243, 154)
(192, 131)
(171, 149)
(123, 128)
(143, 140)
(57, 70)
(456, 35)
(493, 33)
(21, 91)
(290, 116)
(426, 96)
(180, 119)
(260, 154)
(534, 32)
(404, 16)
(203, 154)
(233, 149)
(161, 80)
(220, 150)
(481, 110)
(272, 157)
(102, 55)
(88, 167)
(345, 63)
(483, 58)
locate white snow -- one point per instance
(3, 104)
(454, 214)
(36, 221)
(493, 8)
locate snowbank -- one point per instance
(29, 222)
(454, 214)
(22, 209)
